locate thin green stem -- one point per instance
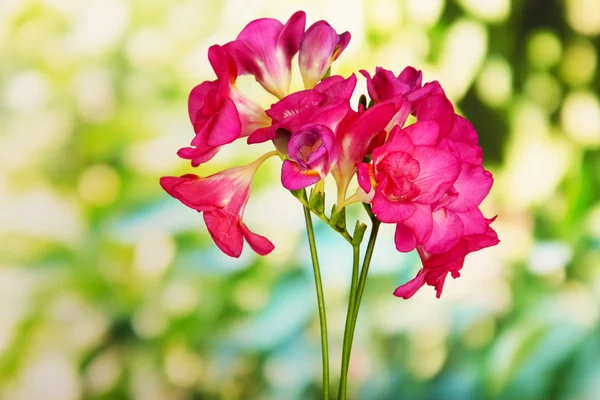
(320, 301)
(354, 305)
(347, 346)
(364, 272)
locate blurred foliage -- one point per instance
(110, 289)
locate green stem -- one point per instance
(354, 306)
(347, 347)
(320, 301)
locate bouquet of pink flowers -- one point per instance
(426, 177)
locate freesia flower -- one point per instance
(409, 174)
(437, 266)
(319, 48)
(222, 198)
(357, 134)
(385, 86)
(311, 150)
(219, 113)
(265, 49)
(325, 104)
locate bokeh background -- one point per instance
(110, 289)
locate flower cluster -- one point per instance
(426, 178)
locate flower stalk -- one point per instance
(320, 298)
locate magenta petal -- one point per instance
(363, 175)
(227, 126)
(319, 47)
(404, 238)
(197, 97)
(197, 155)
(420, 222)
(261, 135)
(265, 48)
(390, 211)
(225, 230)
(439, 109)
(291, 34)
(439, 170)
(411, 287)
(293, 178)
(446, 233)
(258, 243)
(463, 131)
(487, 239)
(423, 133)
(473, 185)
(224, 66)
(474, 222)
(358, 136)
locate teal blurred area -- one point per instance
(110, 289)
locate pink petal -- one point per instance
(439, 170)
(487, 239)
(265, 48)
(411, 287)
(420, 223)
(404, 238)
(258, 243)
(198, 155)
(411, 77)
(227, 126)
(319, 47)
(389, 211)
(261, 135)
(398, 142)
(224, 66)
(225, 230)
(291, 34)
(293, 178)
(463, 131)
(358, 136)
(363, 174)
(197, 97)
(473, 185)
(446, 233)
(473, 221)
(423, 133)
(337, 87)
(439, 109)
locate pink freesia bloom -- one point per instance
(311, 151)
(437, 266)
(265, 49)
(385, 86)
(326, 104)
(403, 91)
(357, 134)
(219, 113)
(319, 48)
(222, 198)
(455, 214)
(409, 175)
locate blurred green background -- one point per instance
(110, 289)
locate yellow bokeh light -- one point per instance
(99, 185)
(464, 51)
(487, 10)
(584, 16)
(544, 90)
(579, 63)
(580, 118)
(424, 12)
(494, 85)
(544, 49)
